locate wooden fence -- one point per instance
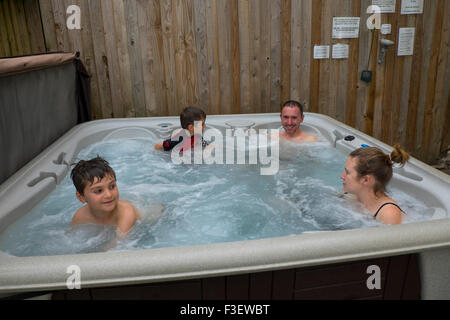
(154, 57)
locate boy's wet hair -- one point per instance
(191, 114)
(87, 170)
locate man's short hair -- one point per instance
(293, 104)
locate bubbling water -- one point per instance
(200, 203)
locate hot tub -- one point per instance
(185, 266)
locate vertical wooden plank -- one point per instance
(185, 59)
(395, 67)
(442, 107)
(316, 24)
(235, 51)
(341, 67)
(254, 43)
(429, 14)
(5, 49)
(62, 38)
(23, 28)
(48, 25)
(296, 50)
(213, 56)
(245, 55)
(378, 98)
(305, 53)
(34, 26)
(333, 80)
(2, 34)
(134, 51)
(353, 74)
(2, 46)
(275, 55)
(147, 56)
(73, 36)
(109, 35)
(19, 26)
(430, 107)
(224, 12)
(324, 64)
(168, 32)
(13, 45)
(88, 57)
(409, 92)
(445, 145)
(363, 89)
(369, 120)
(179, 47)
(264, 54)
(285, 50)
(75, 43)
(200, 34)
(389, 66)
(101, 60)
(126, 80)
(409, 99)
(158, 56)
(400, 95)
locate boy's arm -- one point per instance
(128, 215)
(159, 146)
(168, 144)
(79, 217)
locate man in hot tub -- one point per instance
(291, 117)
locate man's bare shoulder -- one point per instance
(303, 137)
(309, 137)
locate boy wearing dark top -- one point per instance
(188, 118)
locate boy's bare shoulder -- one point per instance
(125, 205)
(81, 216)
(127, 216)
(126, 208)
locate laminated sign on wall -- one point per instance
(345, 27)
(406, 41)
(340, 51)
(386, 6)
(321, 52)
(412, 7)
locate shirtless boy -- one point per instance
(95, 182)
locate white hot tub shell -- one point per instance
(22, 191)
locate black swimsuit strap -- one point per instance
(376, 213)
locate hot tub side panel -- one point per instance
(398, 279)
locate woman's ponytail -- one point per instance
(398, 155)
